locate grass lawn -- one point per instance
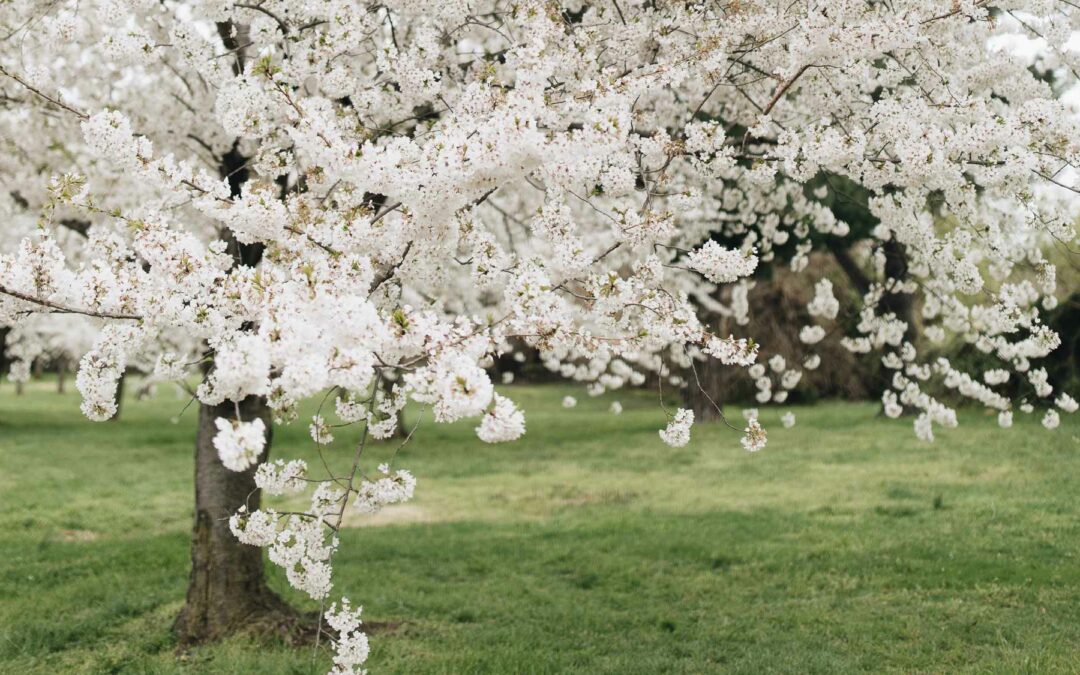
(586, 547)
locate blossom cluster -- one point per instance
(391, 488)
(504, 422)
(677, 432)
(239, 444)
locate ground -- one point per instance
(587, 547)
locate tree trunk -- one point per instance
(399, 431)
(61, 374)
(851, 268)
(900, 304)
(701, 393)
(3, 352)
(227, 592)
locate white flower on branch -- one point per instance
(239, 444)
(504, 422)
(677, 432)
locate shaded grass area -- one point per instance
(587, 547)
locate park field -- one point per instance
(587, 547)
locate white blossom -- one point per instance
(891, 405)
(924, 428)
(721, 265)
(351, 647)
(258, 528)
(777, 363)
(732, 352)
(811, 335)
(754, 436)
(281, 477)
(320, 431)
(390, 488)
(824, 304)
(239, 444)
(1051, 419)
(677, 432)
(504, 422)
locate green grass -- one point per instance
(587, 547)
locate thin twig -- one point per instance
(64, 309)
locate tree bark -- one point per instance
(3, 351)
(851, 268)
(900, 304)
(61, 374)
(227, 592)
(399, 431)
(710, 382)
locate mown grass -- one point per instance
(587, 547)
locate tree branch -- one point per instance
(782, 89)
(55, 101)
(385, 276)
(63, 309)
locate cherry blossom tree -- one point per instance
(293, 197)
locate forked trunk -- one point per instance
(227, 593)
